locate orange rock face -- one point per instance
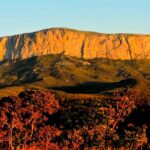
(75, 43)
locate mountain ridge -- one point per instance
(71, 42)
(77, 30)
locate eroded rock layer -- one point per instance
(75, 43)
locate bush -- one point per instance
(23, 118)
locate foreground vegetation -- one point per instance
(42, 120)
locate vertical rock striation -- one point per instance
(75, 43)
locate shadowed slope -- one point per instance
(97, 87)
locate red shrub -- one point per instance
(23, 118)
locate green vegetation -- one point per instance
(53, 71)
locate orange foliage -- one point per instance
(36, 120)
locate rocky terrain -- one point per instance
(75, 43)
(69, 90)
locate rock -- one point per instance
(75, 43)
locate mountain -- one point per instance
(67, 89)
(74, 43)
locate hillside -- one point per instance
(75, 43)
(73, 75)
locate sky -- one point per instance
(105, 16)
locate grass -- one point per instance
(11, 91)
(49, 71)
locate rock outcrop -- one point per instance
(75, 43)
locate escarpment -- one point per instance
(74, 43)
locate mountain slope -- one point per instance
(75, 43)
(87, 76)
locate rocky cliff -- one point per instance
(75, 43)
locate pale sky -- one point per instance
(106, 16)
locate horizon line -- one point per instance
(75, 29)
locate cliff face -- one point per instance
(75, 43)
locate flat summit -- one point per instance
(75, 43)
